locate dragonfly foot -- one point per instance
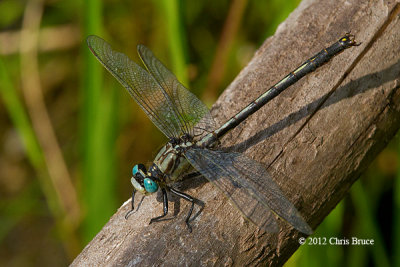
(188, 226)
(129, 213)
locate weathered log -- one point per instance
(323, 132)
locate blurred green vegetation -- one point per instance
(101, 133)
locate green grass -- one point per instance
(16, 210)
(20, 120)
(171, 11)
(367, 225)
(98, 125)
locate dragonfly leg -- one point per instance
(132, 206)
(165, 207)
(188, 198)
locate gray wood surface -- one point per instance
(322, 133)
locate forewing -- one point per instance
(248, 185)
(143, 88)
(194, 117)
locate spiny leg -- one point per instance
(165, 207)
(188, 198)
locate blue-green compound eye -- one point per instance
(135, 170)
(150, 185)
(139, 168)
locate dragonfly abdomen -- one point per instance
(307, 67)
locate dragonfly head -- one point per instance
(142, 182)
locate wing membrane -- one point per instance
(143, 88)
(248, 185)
(191, 111)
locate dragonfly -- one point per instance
(193, 145)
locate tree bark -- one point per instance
(322, 132)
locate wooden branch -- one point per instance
(322, 132)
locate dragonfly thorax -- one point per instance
(171, 162)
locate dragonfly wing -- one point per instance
(194, 117)
(143, 88)
(248, 185)
(223, 175)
